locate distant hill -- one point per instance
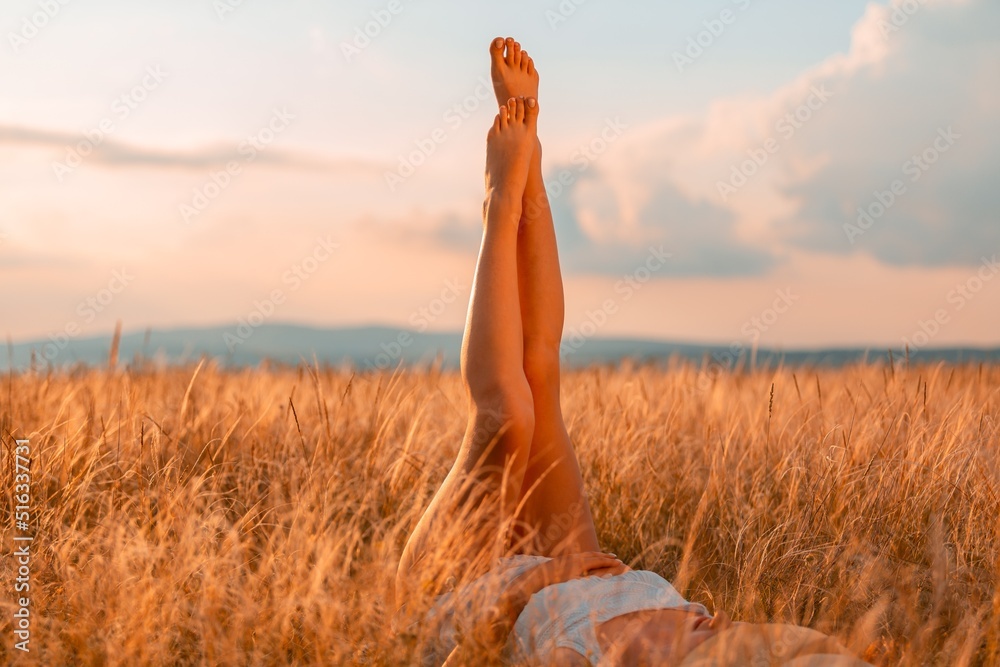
(370, 348)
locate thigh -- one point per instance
(440, 543)
(554, 514)
(465, 528)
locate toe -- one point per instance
(519, 110)
(496, 50)
(525, 60)
(510, 51)
(531, 110)
(530, 69)
(504, 116)
(517, 54)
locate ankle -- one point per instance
(500, 204)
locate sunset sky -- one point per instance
(178, 164)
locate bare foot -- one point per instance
(513, 71)
(510, 146)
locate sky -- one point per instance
(779, 173)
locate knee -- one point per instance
(541, 363)
(505, 411)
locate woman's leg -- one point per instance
(465, 527)
(555, 505)
(555, 510)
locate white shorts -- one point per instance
(566, 615)
(559, 616)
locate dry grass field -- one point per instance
(209, 517)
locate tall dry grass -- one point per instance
(203, 517)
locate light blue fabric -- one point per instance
(566, 615)
(559, 616)
(467, 601)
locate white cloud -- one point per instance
(814, 151)
(112, 153)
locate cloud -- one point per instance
(923, 120)
(697, 233)
(112, 153)
(735, 190)
(449, 231)
(22, 259)
(757, 180)
(697, 239)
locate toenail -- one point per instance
(531, 102)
